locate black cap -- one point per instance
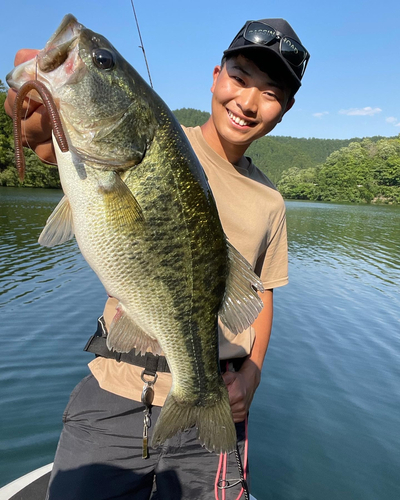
(291, 74)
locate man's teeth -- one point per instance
(237, 120)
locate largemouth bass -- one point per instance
(140, 207)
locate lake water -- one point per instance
(325, 422)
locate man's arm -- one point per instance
(242, 385)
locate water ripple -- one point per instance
(325, 419)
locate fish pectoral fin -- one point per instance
(241, 304)
(125, 335)
(59, 227)
(120, 203)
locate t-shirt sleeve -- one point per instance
(272, 264)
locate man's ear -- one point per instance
(216, 73)
(288, 107)
(289, 104)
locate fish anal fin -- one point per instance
(241, 304)
(124, 335)
(59, 227)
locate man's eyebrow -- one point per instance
(241, 69)
(269, 82)
(276, 84)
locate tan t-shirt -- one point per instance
(252, 213)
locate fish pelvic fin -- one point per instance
(125, 335)
(215, 428)
(59, 227)
(241, 304)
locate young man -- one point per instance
(100, 449)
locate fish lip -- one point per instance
(59, 44)
(66, 21)
(56, 51)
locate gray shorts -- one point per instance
(99, 455)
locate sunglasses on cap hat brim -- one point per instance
(262, 34)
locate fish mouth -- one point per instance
(60, 44)
(55, 53)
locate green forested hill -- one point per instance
(361, 172)
(190, 117)
(275, 154)
(303, 168)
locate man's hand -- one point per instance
(241, 387)
(36, 129)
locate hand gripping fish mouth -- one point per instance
(22, 78)
(78, 67)
(142, 212)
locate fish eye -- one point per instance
(103, 59)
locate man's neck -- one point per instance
(230, 152)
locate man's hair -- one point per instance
(264, 65)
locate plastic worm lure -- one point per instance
(17, 117)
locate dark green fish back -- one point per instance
(186, 238)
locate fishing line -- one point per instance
(141, 46)
(222, 484)
(27, 108)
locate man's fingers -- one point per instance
(29, 106)
(36, 129)
(24, 55)
(239, 413)
(239, 398)
(46, 152)
(235, 397)
(229, 377)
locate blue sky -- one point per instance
(351, 87)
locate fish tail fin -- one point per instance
(215, 428)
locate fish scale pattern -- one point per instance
(185, 233)
(145, 220)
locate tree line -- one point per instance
(360, 170)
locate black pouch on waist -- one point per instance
(97, 344)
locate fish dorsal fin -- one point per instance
(59, 227)
(241, 304)
(125, 335)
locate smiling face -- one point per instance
(246, 105)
